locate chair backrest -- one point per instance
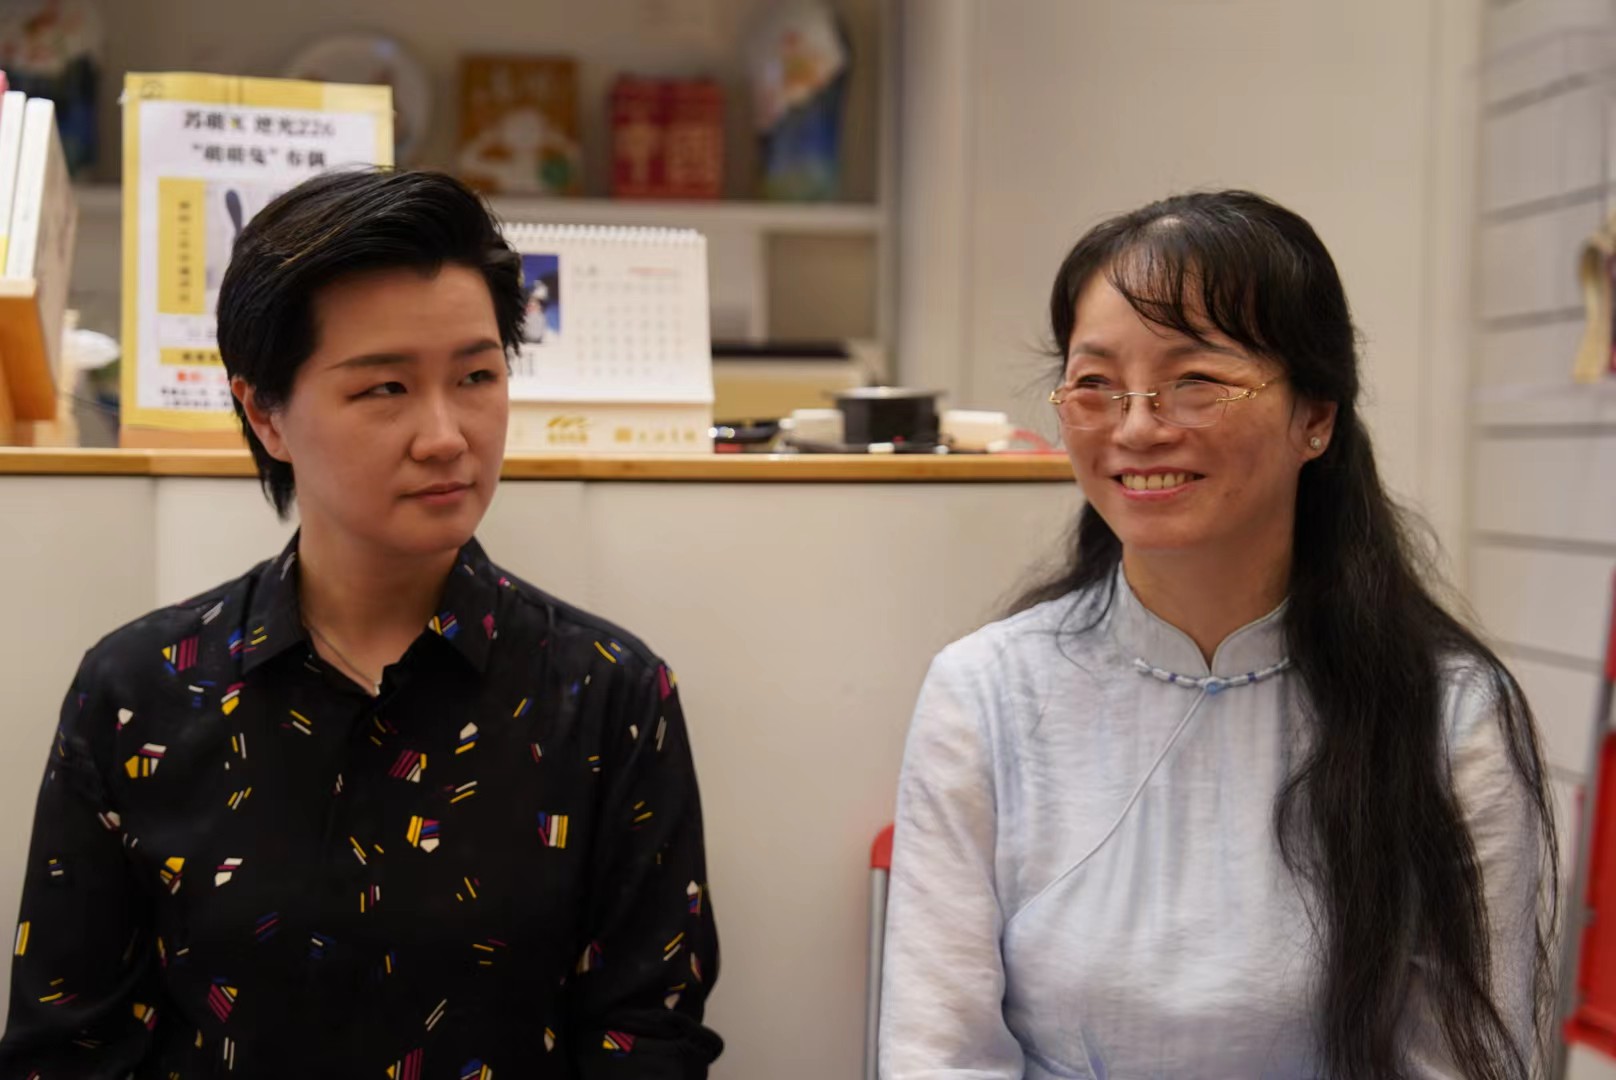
(880, 869)
(881, 849)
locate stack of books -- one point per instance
(38, 221)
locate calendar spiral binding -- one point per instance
(529, 236)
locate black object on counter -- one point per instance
(888, 414)
(744, 436)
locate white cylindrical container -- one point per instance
(817, 425)
(966, 429)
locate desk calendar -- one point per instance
(616, 351)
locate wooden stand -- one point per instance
(8, 416)
(28, 386)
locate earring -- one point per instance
(1314, 443)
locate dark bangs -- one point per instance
(1240, 267)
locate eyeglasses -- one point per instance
(1187, 403)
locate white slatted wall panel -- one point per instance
(1542, 500)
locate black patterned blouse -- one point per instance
(243, 865)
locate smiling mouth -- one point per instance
(1156, 481)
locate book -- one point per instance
(12, 105)
(667, 138)
(44, 223)
(519, 125)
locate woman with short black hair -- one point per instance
(377, 807)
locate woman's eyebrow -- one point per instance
(1192, 348)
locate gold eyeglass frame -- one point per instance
(1057, 397)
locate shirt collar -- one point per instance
(464, 619)
(1257, 648)
(274, 620)
(465, 615)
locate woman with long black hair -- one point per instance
(1233, 795)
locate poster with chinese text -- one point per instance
(202, 155)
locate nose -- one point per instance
(1140, 426)
(438, 435)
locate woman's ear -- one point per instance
(265, 423)
(1312, 426)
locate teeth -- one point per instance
(1155, 481)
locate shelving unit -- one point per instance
(861, 219)
(750, 245)
(804, 270)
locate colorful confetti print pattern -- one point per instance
(317, 854)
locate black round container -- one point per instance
(884, 414)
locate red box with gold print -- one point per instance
(667, 138)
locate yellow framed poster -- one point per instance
(201, 155)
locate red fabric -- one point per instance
(1610, 658)
(1594, 1023)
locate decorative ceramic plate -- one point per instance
(375, 59)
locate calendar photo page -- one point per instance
(613, 315)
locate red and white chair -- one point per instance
(880, 871)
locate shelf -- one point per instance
(695, 214)
(1556, 404)
(99, 198)
(822, 218)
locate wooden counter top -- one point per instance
(766, 468)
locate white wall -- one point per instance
(1541, 528)
(800, 618)
(75, 562)
(1027, 121)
